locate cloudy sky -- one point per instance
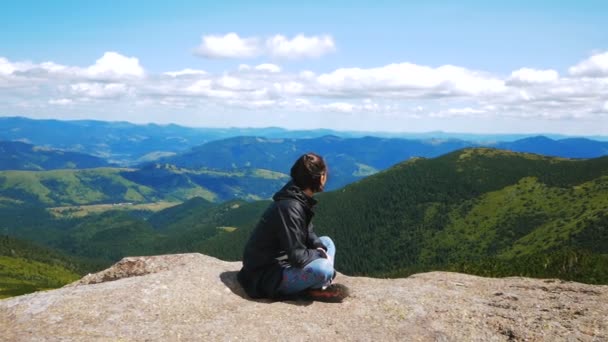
(455, 66)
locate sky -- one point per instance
(394, 66)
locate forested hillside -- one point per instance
(481, 211)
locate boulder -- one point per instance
(193, 297)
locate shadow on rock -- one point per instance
(229, 279)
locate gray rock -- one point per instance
(193, 297)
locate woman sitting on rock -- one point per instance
(284, 258)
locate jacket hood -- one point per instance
(292, 191)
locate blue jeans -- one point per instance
(315, 275)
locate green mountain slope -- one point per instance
(72, 187)
(213, 230)
(25, 268)
(481, 211)
(170, 216)
(108, 237)
(114, 185)
(427, 214)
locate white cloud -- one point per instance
(406, 80)
(289, 88)
(113, 64)
(525, 76)
(53, 67)
(7, 67)
(524, 95)
(99, 90)
(594, 66)
(185, 72)
(444, 92)
(228, 46)
(466, 110)
(268, 67)
(299, 103)
(231, 45)
(261, 103)
(244, 67)
(365, 106)
(300, 46)
(342, 107)
(60, 102)
(307, 74)
(200, 86)
(229, 82)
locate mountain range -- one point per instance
(128, 144)
(125, 143)
(532, 206)
(15, 155)
(482, 211)
(241, 167)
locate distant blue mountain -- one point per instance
(126, 143)
(16, 155)
(349, 159)
(567, 148)
(129, 144)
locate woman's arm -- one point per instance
(313, 239)
(292, 233)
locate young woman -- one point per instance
(284, 257)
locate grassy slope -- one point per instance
(25, 268)
(520, 219)
(113, 185)
(21, 276)
(72, 187)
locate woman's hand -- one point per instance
(325, 255)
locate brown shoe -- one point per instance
(334, 293)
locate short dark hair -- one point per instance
(306, 172)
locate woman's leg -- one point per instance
(331, 248)
(316, 274)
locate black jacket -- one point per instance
(283, 237)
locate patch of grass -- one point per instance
(84, 210)
(364, 170)
(268, 174)
(227, 229)
(20, 276)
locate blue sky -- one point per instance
(467, 66)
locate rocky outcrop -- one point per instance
(192, 297)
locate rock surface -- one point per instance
(192, 297)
